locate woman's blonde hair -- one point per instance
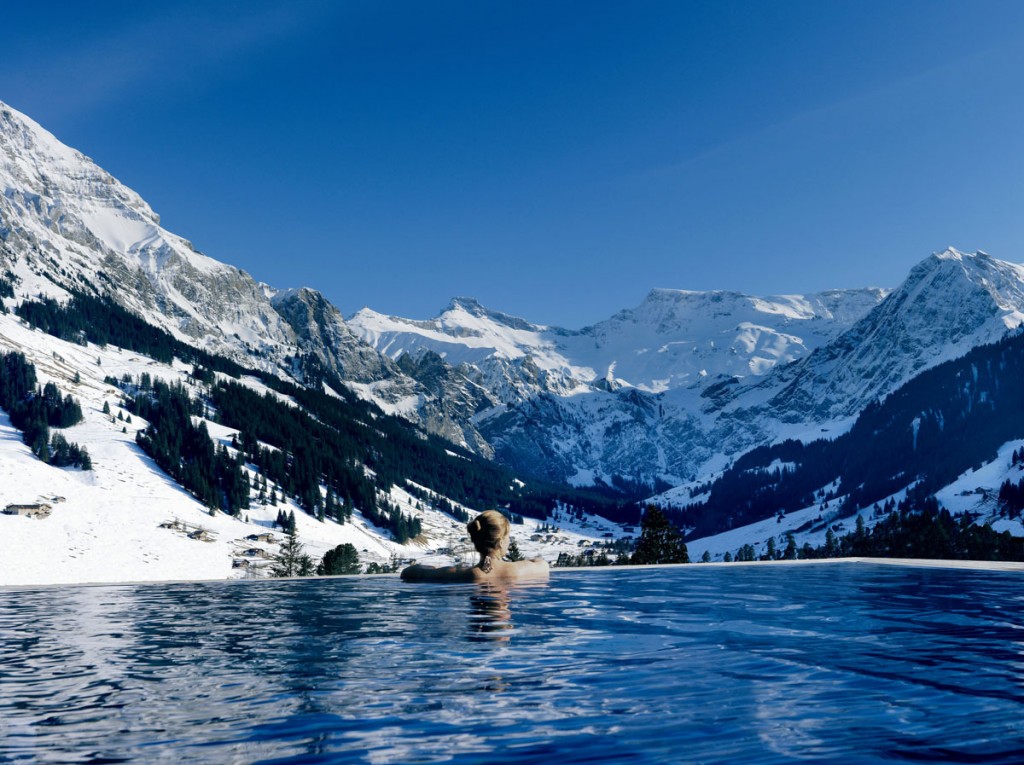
(487, 531)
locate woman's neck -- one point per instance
(495, 560)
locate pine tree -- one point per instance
(343, 559)
(514, 553)
(831, 545)
(790, 552)
(660, 541)
(291, 559)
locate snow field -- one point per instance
(106, 524)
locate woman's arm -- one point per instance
(421, 573)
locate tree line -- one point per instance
(34, 410)
(185, 451)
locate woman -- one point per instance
(489, 532)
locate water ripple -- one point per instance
(831, 663)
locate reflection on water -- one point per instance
(835, 663)
(490, 617)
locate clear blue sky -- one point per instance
(554, 160)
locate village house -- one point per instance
(38, 510)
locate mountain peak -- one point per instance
(473, 307)
(976, 259)
(950, 253)
(980, 269)
(950, 302)
(304, 294)
(468, 304)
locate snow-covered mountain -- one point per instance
(662, 392)
(674, 338)
(668, 392)
(670, 389)
(68, 226)
(950, 303)
(589, 405)
(950, 437)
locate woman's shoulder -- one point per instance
(535, 568)
(538, 565)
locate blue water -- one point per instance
(833, 663)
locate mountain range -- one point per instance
(669, 391)
(660, 398)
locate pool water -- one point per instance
(831, 663)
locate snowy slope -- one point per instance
(107, 528)
(974, 492)
(105, 524)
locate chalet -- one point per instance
(255, 552)
(239, 563)
(263, 537)
(201, 534)
(38, 510)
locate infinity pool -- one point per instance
(835, 663)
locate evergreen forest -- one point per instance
(949, 419)
(34, 411)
